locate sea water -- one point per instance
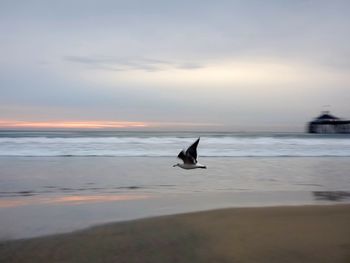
(61, 181)
(166, 144)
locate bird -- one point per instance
(189, 157)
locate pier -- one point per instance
(327, 123)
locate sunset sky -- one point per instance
(197, 65)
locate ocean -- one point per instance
(168, 144)
(60, 181)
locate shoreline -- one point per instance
(31, 217)
(306, 233)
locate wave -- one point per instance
(167, 146)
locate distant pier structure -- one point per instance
(327, 123)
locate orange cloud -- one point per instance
(15, 124)
(70, 124)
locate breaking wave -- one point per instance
(169, 146)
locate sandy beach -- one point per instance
(265, 234)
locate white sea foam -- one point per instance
(157, 146)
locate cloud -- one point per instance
(168, 60)
(125, 64)
(20, 124)
(70, 124)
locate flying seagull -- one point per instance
(189, 157)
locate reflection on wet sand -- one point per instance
(69, 200)
(331, 195)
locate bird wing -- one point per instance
(182, 156)
(187, 159)
(191, 152)
(190, 155)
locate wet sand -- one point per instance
(266, 234)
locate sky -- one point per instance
(173, 65)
